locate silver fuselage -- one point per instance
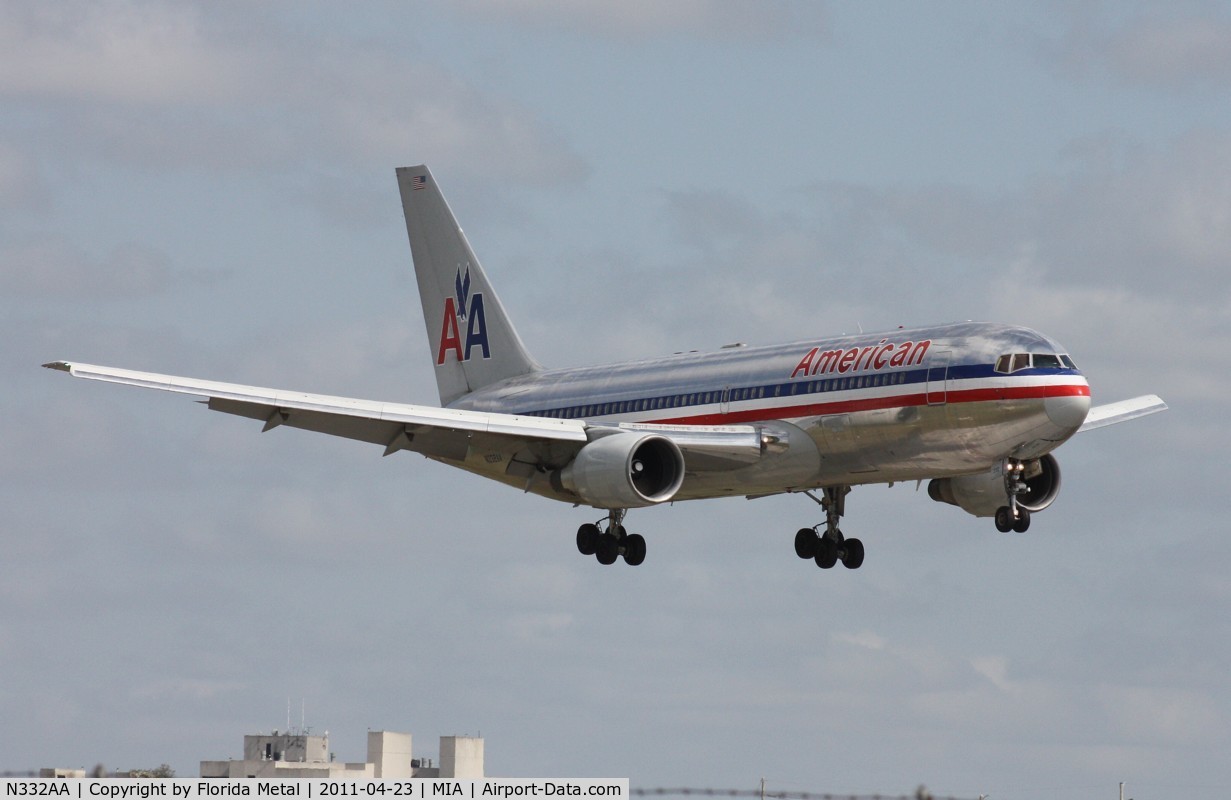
(871, 408)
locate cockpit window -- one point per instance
(1013, 362)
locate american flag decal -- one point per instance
(418, 182)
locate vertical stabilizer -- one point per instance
(472, 341)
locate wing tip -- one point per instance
(1123, 411)
(62, 366)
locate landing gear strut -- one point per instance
(1013, 517)
(830, 547)
(608, 545)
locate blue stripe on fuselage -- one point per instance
(785, 389)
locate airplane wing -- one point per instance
(448, 433)
(1122, 411)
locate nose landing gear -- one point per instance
(1014, 516)
(1006, 521)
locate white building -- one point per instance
(299, 754)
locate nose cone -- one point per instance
(1067, 412)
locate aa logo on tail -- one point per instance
(463, 311)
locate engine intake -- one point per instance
(984, 493)
(624, 470)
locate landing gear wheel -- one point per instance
(587, 539)
(608, 549)
(826, 552)
(634, 549)
(805, 543)
(828, 547)
(852, 554)
(1022, 523)
(1004, 519)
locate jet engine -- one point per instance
(624, 470)
(984, 493)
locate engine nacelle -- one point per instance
(624, 470)
(982, 494)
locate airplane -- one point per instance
(974, 408)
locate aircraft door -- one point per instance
(938, 378)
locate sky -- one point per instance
(207, 189)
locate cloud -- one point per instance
(745, 20)
(1118, 237)
(1121, 328)
(22, 184)
(1172, 52)
(51, 267)
(868, 639)
(1154, 222)
(125, 52)
(995, 669)
(151, 86)
(184, 689)
(1161, 715)
(1155, 49)
(336, 358)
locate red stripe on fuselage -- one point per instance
(880, 403)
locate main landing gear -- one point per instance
(830, 547)
(612, 543)
(1014, 517)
